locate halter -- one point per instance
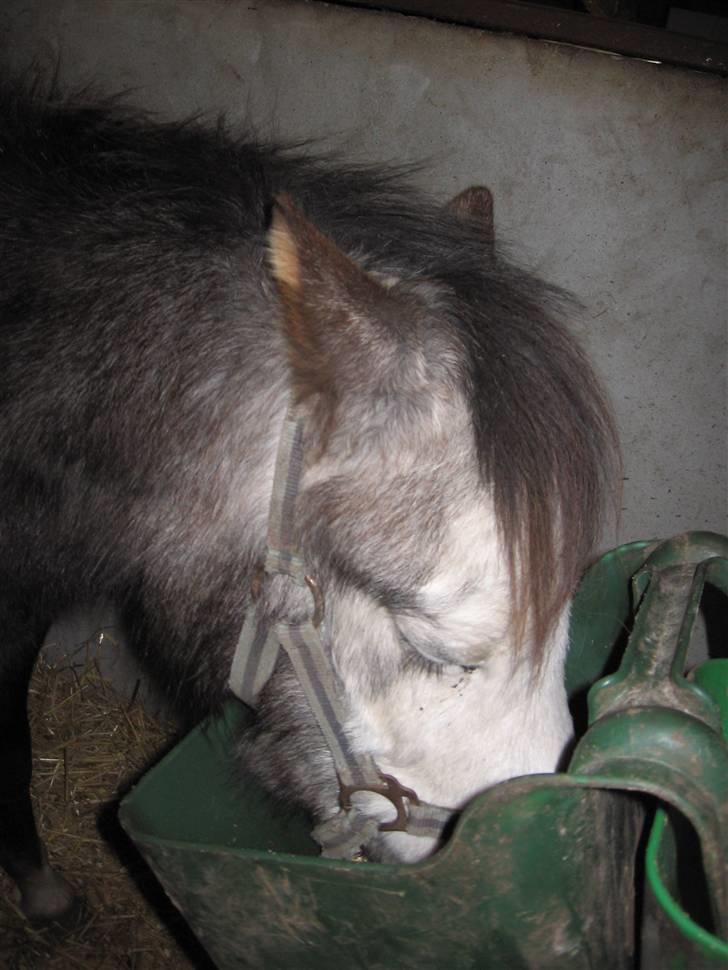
(343, 835)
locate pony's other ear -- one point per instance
(476, 205)
(334, 313)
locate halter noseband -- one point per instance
(343, 835)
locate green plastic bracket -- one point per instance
(653, 730)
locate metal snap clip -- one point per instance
(392, 790)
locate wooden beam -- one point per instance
(567, 26)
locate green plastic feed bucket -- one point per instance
(676, 906)
(540, 872)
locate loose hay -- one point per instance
(90, 745)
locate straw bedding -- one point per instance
(90, 745)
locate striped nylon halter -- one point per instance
(343, 835)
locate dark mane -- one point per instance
(545, 438)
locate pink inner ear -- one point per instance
(305, 258)
(283, 252)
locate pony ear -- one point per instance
(475, 204)
(334, 313)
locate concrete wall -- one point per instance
(609, 177)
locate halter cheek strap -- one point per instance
(343, 835)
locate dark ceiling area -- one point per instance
(684, 33)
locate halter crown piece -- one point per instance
(343, 835)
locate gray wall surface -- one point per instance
(609, 176)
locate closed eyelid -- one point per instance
(431, 656)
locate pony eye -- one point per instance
(430, 656)
(415, 659)
(427, 649)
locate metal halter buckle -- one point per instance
(392, 790)
(256, 588)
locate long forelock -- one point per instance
(545, 440)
